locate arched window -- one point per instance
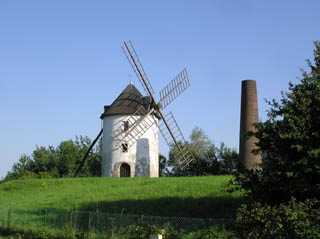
(124, 170)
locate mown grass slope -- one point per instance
(200, 197)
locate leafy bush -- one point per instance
(28, 175)
(169, 232)
(134, 232)
(143, 232)
(293, 220)
(25, 234)
(214, 232)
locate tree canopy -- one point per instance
(209, 159)
(63, 160)
(60, 161)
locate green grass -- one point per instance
(70, 206)
(199, 197)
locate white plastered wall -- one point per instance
(142, 156)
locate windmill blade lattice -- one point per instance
(181, 152)
(136, 65)
(138, 123)
(171, 91)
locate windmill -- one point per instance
(126, 132)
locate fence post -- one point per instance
(45, 219)
(88, 225)
(98, 221)
(9, 217)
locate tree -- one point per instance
(209, 159)
(20, 168)
(61, 161)
(289, 141)
(229, 160)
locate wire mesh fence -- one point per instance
(60, 222)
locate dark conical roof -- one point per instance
(127, 102)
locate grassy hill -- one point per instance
(199, 197)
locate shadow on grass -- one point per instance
(189, 214)
(207, 207)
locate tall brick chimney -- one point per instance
(249, 115)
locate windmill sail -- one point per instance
(173, 136)
(170, 130)
(136, 65)
(138, 124)
(171, 91)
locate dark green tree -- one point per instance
(289, 141)
(61, 161)
(20, 168)
(229, 160)
(209, 159)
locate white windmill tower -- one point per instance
(123, 155)
(131, 124)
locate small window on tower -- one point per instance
(124, 147)
(125, 125)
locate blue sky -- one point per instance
(61, 62)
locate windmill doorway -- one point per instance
(124, 170)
